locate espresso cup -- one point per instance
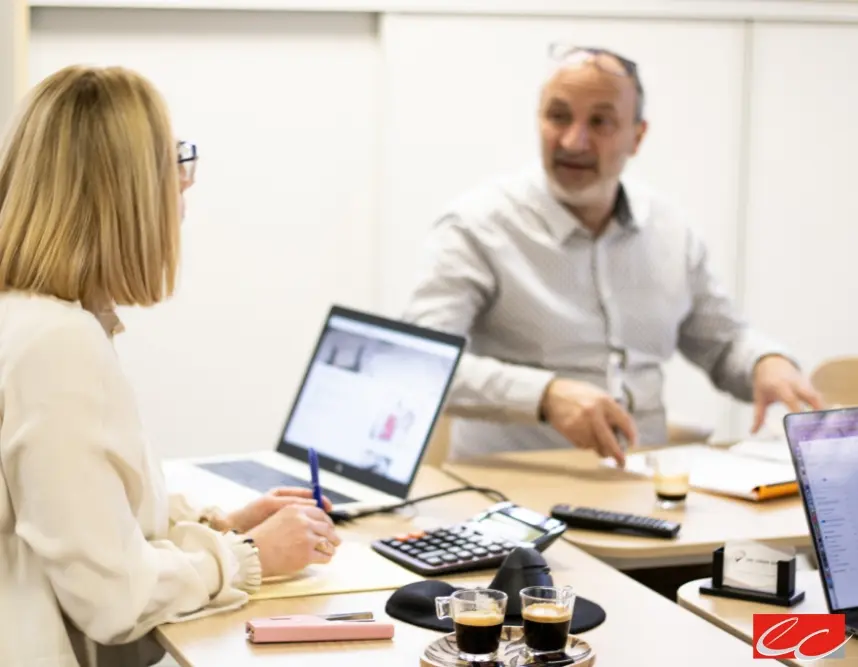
(478, 616)
(671, 477)
(546, 612)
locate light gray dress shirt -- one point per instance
(539, 297)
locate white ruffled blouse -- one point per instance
(94, 554)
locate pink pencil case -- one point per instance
(313, 629)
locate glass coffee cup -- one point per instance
(671, 470)
(546, 612)
(478, 616)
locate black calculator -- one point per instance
(479, 543)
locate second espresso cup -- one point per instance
(546, 612)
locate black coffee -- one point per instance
(671, 488)
(671, 497)
(546, 626)
(478, 632)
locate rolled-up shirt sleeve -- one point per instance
(71, 491)
(456, 286)
(714, 337)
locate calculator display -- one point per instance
(505, 526)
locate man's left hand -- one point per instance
(777, 380)
(257, 511)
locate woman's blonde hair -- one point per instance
(89, 191)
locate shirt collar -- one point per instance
(631, 210)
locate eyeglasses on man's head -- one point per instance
(604, 59)
(571, 55)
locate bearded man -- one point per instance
(575, 286)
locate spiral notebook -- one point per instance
(724, 472)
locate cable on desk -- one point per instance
(342, 515)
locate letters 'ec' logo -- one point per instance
(807, 637)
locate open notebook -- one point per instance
(355, 568)
(731, 473)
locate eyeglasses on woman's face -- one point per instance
(188, 158)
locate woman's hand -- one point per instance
(263, 507)
(293, 538)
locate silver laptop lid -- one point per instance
(370, 398)
(824, 449)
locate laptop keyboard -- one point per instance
(263, 478)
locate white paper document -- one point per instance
(770, 450)
(721, 471)
(753, 566)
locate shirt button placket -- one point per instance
(604, 294)
(614, 355)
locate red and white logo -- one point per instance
(806, 637)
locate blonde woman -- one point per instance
(93, 552)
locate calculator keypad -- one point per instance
(445, 550)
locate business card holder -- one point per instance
(786, 595)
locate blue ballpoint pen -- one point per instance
(314, 478)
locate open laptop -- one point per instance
(368, 402)
(824, 449)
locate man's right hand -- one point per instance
(587, 416)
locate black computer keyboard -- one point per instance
(263, 478)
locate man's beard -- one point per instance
(594, 194)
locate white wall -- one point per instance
(799, 10)
(330, 140)
(803, 212)
(14, 35)
(283, 108)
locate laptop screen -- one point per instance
(824, 447)
(370, 398)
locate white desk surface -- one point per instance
(642, 628)
(737, 616)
